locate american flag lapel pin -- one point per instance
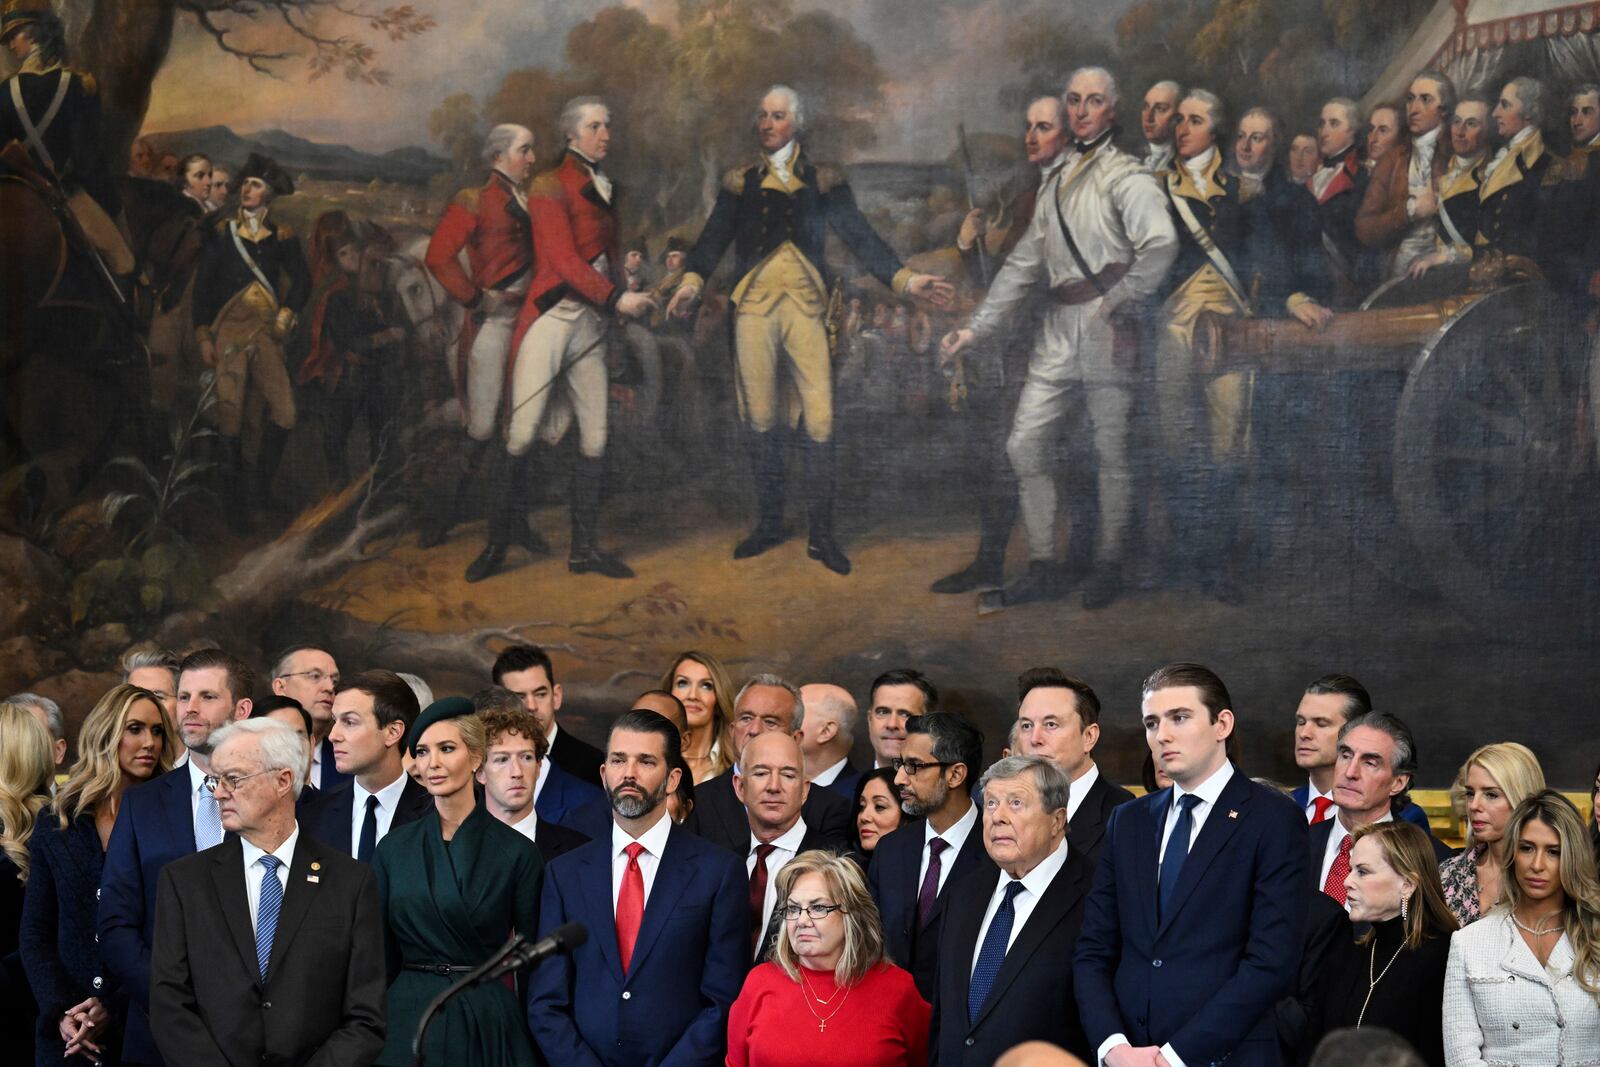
(315, 866)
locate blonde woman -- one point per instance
(1493, 781)
(1523, 982)
(27, 761)
(126, 740)
(700, 682)
(828, 994)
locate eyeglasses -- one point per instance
(314, 676)
(915, 766)
(232, 781)
(817, 912)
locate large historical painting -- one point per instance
(359, 418)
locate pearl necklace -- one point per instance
(1541, 930)
(822, 1022)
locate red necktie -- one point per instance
(630, 906)
(1322, 805)
(1339, 870)
(758, 895)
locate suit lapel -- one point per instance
(298, 896)
(175, 808)
(1230, 810)
(672, 878)
(1147, 859)
(961, 935)
(1067, 888)
(966, 860)
(1086, 830)
(596, 885)
(227, 876)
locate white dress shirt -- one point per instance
(315, 776)
(1034, 883)
(388, 800)
(653, 840)
(528, 827)
(955, 837)
(1080, 786)
(1196, 166)
(1158, 156)
(779, 161)
(784, 849)
(831, 775)
(252, 873)
(1335, 839)
(1420, 175)
(252, 221)
(602, 182)
(1208, 791)
(1312, 793)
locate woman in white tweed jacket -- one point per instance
(1523, 984)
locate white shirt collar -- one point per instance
(284, 852)
(957, 835)
(654, 839)
(1521, 136)
(1387, 816)
(831, 774)
(1595, 140)
(1038, 880)
(1210, 789)
(197, 777)
(782, 157)
(1080, 786)
(1428, 140)
(1197, 165)
(1461, 164)
(528, 825)
(1159, 153)
(1052, 166)
(789, 840)
(1312, 792)
(388, 796)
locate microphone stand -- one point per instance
(466, 981)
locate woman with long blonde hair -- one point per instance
(1493, 781)
(126, 740)
(27, 761)
(1523, 983)
(699, 680)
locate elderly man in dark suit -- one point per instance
(668, 918)
(1058, 717)
(1005, 961)
(269, 946)
(914, 867)
(164, 820)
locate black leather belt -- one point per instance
(443, 970)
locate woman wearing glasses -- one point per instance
(829, 994)
(453, 886)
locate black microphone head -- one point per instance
(570, 935)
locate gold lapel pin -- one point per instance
(315, 865)
(1232, 814)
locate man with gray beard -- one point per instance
(654, 990)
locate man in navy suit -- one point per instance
(1327, 704)
(1377, 759)
(308, 673)
(669, 925)
(1195, 927)
(1005, 960)
(938, 843)
(166, 819)
(1058, 717)
(371, 714)
(765, 704)
(827, 734)
(526, 670)
(514, 750)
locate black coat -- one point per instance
(720, 818)
(1032, 997)
(222, 273)
(58, 922)
(1284, 243)
(73, 136)
(1405, 1000)
(328, 817)
(552, 839)
(322, 1001)
(1087, 830)
(576, 756)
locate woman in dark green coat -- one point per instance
(453, 886)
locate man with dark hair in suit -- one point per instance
(668, 918)
(1327, 705)
(913, 867)
(771, 782)
(371, 714)
(309, 674)
(171, 817)
(766, 704)
(1005, 960)
(895, 697)
(1058, 717)
(526, 670)
(269, 946)
(515, 748)
(1195, 927)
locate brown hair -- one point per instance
(722, 714)
(241, 678)
(1213, 694)
(1578, 879)
(1407, 849)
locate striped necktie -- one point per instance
(267, 910)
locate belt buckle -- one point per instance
(442, 970)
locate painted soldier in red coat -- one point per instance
(490, 225)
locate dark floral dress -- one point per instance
(1458, 877)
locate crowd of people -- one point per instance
(293, 868)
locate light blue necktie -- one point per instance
(207, 821)
(267, 910)
(993, 952)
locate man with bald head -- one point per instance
(771, 782)
(827, 733)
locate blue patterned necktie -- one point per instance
(207, 821)
(267, 910)
(993, 952)
(1177, 848)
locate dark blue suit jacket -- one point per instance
(58, 920)
(327, 816)
(563, 793)
(893, 880)
(1410, 813)
(671, 1008)
(154, 827)
(332, 777)
(1207, 975)
(592, 818)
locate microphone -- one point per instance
(522, 952)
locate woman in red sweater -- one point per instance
(828, 994)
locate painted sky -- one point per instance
(945, 72)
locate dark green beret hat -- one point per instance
(438, 711)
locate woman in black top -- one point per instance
(1393, 975)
